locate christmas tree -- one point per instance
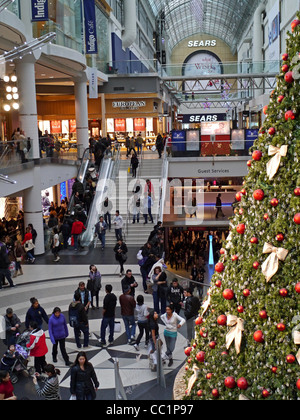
(247, 343)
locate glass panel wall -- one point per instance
(15, 8)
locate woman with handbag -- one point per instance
(121, 254)
(28, 245)
(55, 244)
(18, 253)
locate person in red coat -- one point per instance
(77, 229)
(38, 347)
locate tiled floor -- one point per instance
(54, 285)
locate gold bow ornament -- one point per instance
(274, 163)
(271, 265)
(236, 333)
(297, 342)
(192, 380)
(206, 304)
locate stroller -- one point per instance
(15, 360)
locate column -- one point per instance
(25, 71)
(32, 206)
(81, 113)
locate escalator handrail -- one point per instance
(87, 151)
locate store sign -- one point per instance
(205, 43)
(93, 83)
(90, 27)
(201, 118)
(39, 10)
(130, 105)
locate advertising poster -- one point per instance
(139, 124)
(72, 126)
(238, 139)
(193, 141)
(120, 124)
(90, 27)
(39, 10)
(178, 140)
(55, 127)
(251, 136)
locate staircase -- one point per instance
(136, 234)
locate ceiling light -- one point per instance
(9, 97)
(13, 78)
(6, 107)
(16, 105)
(6, 79)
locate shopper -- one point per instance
(78, 320)
(55, 244)
(134, 164)
(77, 229)
(118, 222)
(148, 204)
(108, 315)
(219, 206)
(58, 332)
(128, 305)
(106, 211)
(142, 321)
(139, 143)
(4, 265)
(192, 307)
(37, 346)
(159, 145)
(36, 314)
(84, 382)
(120, 251)
(34, 235)
(172, 322)
(100, 231)
(50, 389)
(160, 289)
(175, 295)
(6, 387)
(154, 336)
(12, 326)
(18, 254)
(94, 285)
(65, 230)
(85, 296)
(129, 281)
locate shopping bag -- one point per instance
(117, 328)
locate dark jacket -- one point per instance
(4, 259)
(83, 381)
(82, 315)
(192, 307)
(36, 315)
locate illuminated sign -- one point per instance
(207, 43)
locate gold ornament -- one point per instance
(235, 334)
(274, 163)
(271, 265)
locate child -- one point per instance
(9, 358)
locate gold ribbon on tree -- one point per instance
(206, 304)
(192, 379)
(271, 265)
(274, 163)
(235, 334)
(297, 342)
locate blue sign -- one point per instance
(63, 190)
(90, 27)
(251, 136)
(178, 140)
(39, 10)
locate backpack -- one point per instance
(73, 317)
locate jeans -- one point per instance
(170, 344)
(75, 241)
(5, 272)
(85, 330)
(107, 321)
(101, 237)
(163, 303)
(118, 233)
(130, 326)
(143, 326)
(107, 219)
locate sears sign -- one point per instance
(201, 118)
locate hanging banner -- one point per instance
(39, 10)
(90, 27)
(93, 83)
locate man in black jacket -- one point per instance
(175, 295)
(4, 265)
(129, 281)
(192, 307)
(79, 320)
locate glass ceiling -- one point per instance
(225, 19)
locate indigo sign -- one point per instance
(39, 10)
(90, 27)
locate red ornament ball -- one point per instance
(297, 219)
(215, 393)
(239, 196)
(242, 384)
(297, 192)
(222, 320)
(259, 195)
(220, 267)
(290, 359)
(257, 155)
(297, 288)
(280, 99)
(256, 265)
(285, 68)
(218, 283)
(228, 294)
(199, 321)
(240, 309)
(230, 382)
(241, 229)
(254, 240)
(283, 293)
(187, 351)
(289, 115)
(259, 337)
(289, 77)
(246, 292)
(200, 356)
(200, 393)
(298, 384)
(249, 163)
(265, 393)
(285, 57)
(294, 24)
(281, 327)
(234, 258)
(263, 314)
(280, 237)
(272, 131)
(212, 345)
(274, 202)
(274, 369)
(266, 217)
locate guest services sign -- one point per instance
(39, 10)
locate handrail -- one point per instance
(80, 175)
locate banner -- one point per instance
(39, 10)
(93, 83)
(90, 27)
